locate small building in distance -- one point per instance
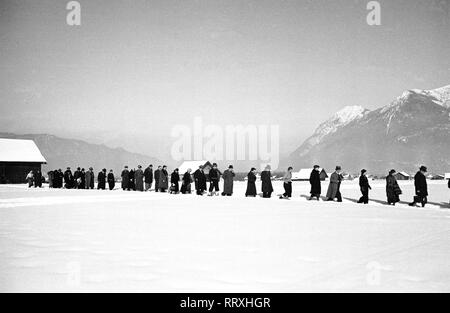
(194, 165)
(305, 173)
(437, 177)
(17, 158)
(402, 176)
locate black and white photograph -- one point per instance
(203, 147)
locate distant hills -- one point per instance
(412, 130)
(62, 152)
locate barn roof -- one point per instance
(20, 150)
(193, 165)
(404, 174)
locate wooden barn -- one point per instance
(17, 158)
(305, 173)
(194, 165)
(402, 176)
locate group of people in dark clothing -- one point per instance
(142, 180)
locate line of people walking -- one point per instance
(143, 180)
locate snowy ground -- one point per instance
(75, 240)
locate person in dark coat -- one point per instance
(364, 187)
(82, 185)
(164, 179)
(314, 180)
(228, 178)
(139, 179)
(68, 179)
(77, 178)
(266, 182)
(200, 181)
(90, 178)
(174, 182)
(50, 179)
(60, 178)
(420, 184)
(251, 183)
(393, 190)
(287, 184)
(101, 180)
(187, 181)
(111, 180)
(131, 182)
(148, 175)
(214, 178)
(334, 189)
(125, 179)
(157, 177)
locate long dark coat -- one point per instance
(148, 174)
(68, 179)
(393, 190)
(420, 184)
(266, 182)
(131, 181)
(174, 182)
(228, 177)
(83, 180)
(125, 179)
(139, 179)
(251, 185)
(200, 180)
(164, 179)
(101, 180)
(314, 180)
(111, 181)
(157, 176)
(335, 183)
(186, 185)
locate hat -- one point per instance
(231, 166)
(338, 168)
(392, 171)
(363, 171)
(423, 169)
(316, 166)
(253, 169)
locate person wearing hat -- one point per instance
(68, 179)
(420, 184)
(335, 185)
(82, 184)
(228, 178)
(200, 180)
(214, 178)
(266, 182)
(314, 180)
(77, 178)
(89, 177)
(251, 183)
(393, 190)
(125, 178)
(139, 178)
(364, 187)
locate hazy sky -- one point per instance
(133, 69)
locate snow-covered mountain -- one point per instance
(412, 130)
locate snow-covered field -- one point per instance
(80, 240)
